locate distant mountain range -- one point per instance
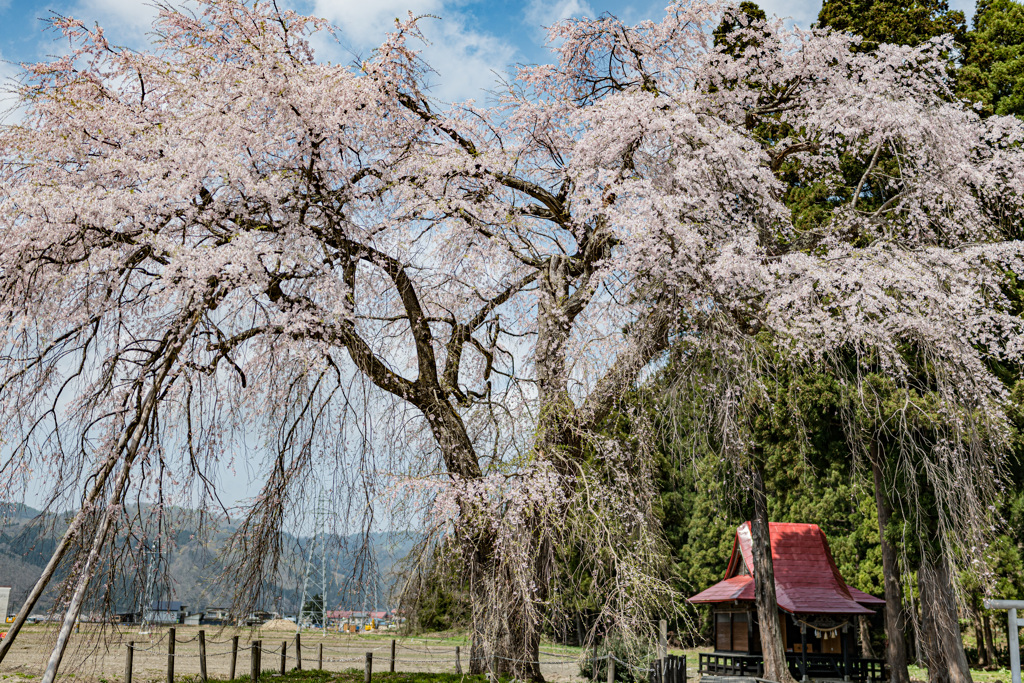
(191, 571)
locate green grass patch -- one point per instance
(918, 673)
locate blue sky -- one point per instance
(470, 41)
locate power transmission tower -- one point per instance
(315, 575)
(151, 560)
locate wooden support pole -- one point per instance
(803, 652)
(128, 656)
(202, 655)
(170, 655)
(392, 669)
(284, 656)
(458, 664)
(234, 657)
(254, 661)
(368, 671)
(845, 644)
(593, 676)
(298, 651)
(662, 648)
(611, 669)
(320, 657)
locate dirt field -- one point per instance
(98, 656)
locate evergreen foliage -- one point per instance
(893, 21)
(993, 59)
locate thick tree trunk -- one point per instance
(517, 651)
(476, 560)
(775, 667)
(895, 643)
(944, 648)
(505, 631)
(866, 651)
(934, 657)
(990, 648)
(477, 651)
(979, 632)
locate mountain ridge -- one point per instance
(191, 570)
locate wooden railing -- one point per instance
(715, 664)
(818, 666)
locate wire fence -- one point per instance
(291, 653)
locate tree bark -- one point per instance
(944, 647)
(895, 643)
(990, 649)
(505, 631)
(775, 667)
(866, 651)
(979, 631)
(934, 657)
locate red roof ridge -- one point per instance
(807, 580)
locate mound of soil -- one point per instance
(278, 625)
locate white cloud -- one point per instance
(545, 13)
(9, 113)
(369, 20)
(117, 14)
(465, 59)
(467, 62)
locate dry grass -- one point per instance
(97, 654)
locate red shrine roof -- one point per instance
(807, 580)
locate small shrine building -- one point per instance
(818, 611)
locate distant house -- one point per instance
(165, 612)
(5, 595)
(260, 617)
(216, 616)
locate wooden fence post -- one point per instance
(298, 651)
(320, 657)
(284, 656)
(392, 669)
(170, 655)
(234, 656)
(128, 656)
(254, 661)
(458, 664)
(202, 655)
(368, 672)
(611, 668)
